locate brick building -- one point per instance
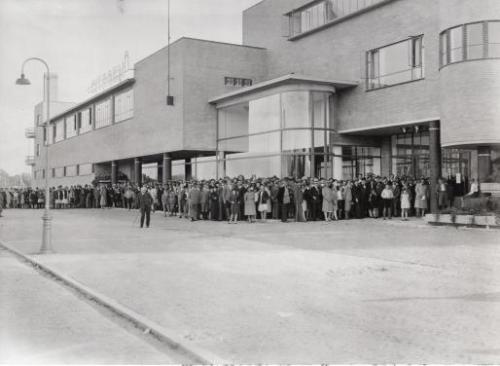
(330, 88)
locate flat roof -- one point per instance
(183, 39)
(286, 79)
(94, 98)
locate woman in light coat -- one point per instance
(249, 202)
(327, 194)
(347, 200)
(421, 195)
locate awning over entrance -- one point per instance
(402, 127)
(291, 79)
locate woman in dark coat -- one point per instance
(214, 203)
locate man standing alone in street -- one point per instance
(145, 202)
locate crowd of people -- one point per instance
(237, 199)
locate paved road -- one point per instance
(346, 292)
(41, 322)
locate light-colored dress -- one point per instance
(405, 200)
(421, 196)
(328, 197)
(250, 204)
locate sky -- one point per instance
(80, 40)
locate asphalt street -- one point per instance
(366, 291)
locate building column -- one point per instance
(435, 162)
(188, 170)
(114, 172)
(483, 163)
(337, 162)
(221, 164)
(138, 171)
(386, 156)
(167, 168)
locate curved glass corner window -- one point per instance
(472, 41)
(395, 64)
(493, 30)
(295, 109)
(456, 44)
(323, 12)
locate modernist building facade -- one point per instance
(325, 88)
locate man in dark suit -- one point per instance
(284, 200)
(145, 201)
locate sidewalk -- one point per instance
(43, 323)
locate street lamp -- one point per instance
(46, 218)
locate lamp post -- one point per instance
(46, 218)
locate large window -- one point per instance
(323, 12)
(71, 171)
(493, 39)
(71, 126)
(103, 114)
(474, 41)
(85, 169)
(471, 41)
(58, 172)
(59, 130)
(85, 122)
(410, 152)
(124, 106)
(395, 64)
(360, 161)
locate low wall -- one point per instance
(488, 221)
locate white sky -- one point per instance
(81, 39)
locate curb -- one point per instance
(198, 355)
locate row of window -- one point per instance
(239, 82)
(470, 42)
(67, 171)
(84, 121)
(324, 12)
(403, 61)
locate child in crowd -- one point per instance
(405, 203)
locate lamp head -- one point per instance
(23, 81)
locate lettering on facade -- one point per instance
(113, 76)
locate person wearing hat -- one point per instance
(194, 199)
(263, 200)
(204, 201)
(213, 199)
(249, 199)
(145, 201)
(284, 200)
(274, 200)
(234, 201)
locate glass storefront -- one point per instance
(411, 158)
(360, 161)
(286, 134)
(410, 154)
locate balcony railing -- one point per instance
(30, 160)
(29, 133)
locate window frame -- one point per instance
(413, 63)
(295, 16)
(446, 35)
